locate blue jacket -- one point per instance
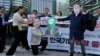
(77, 28)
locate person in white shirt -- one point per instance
(17, 29)
(35, 40)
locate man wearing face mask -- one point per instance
(77, 28)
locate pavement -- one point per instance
(22, 52)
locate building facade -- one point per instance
(5, 3)
(39, 5)
(27, 5)
(90, 5)
(15, 3)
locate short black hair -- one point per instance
(59, 12)
(2, 7)
(19, 7)
(47, 8)
(35, 11)
(78, 4)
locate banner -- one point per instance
(60, 40)
(92, 40)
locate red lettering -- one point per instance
(95, 44)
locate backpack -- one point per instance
(90, 22)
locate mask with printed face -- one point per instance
(77, 9)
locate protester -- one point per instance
(77, 28)
(3, 27)
(98, 18)
(44, 39)
(17, 30)
(98, 13)
(36, 37)
(46, 13)
(34, 15)
(59, 13)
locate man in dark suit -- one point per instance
(77, 28)
(3, 27)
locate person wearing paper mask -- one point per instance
(37, 35)
(17, 30)
(45, 14)
(77, 28)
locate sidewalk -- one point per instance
(22, 52)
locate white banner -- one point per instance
(92, 41)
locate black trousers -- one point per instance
(19, 36)
(35, 47)
(24, 33)
(72, 46)
(3, 34)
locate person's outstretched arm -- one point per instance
(64, 19)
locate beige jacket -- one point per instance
(36, 36)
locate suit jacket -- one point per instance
(77, 27)
(6, 18)
(36, 37)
